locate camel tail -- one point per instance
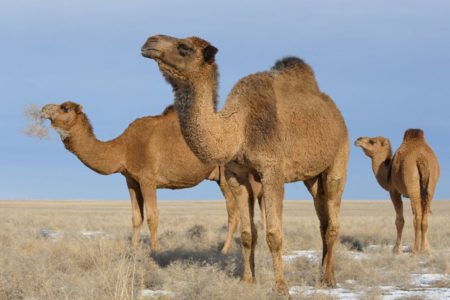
(424, 174)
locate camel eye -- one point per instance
(64, 108)
(372, 142)
(184, 50)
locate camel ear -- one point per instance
(209, 53)
(79, 108)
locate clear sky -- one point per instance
(385, 63)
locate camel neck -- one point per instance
(201, 125)
(381, 166)
(102, 157)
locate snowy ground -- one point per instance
(421, 284)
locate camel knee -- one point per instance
(417, 221)
(246, 238)
(233, 219)
(332, 232)
(152, 218)
(137, 222)
(424, 226)
(400, 222)
(274, 240)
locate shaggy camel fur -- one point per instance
(275, 125)
(412, 172)
(151, 153)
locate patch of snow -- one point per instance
(393, 293)
(92, 234)
(357, 255)
(156, 294)
(424, 280)
(375, 248)
(338, 293)
(407, 249)
(49, 234)
(310, 255)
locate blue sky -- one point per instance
(385, 63)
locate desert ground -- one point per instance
(81, 250)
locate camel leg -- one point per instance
(425, 247)
(334, 187)
(244, 198)
(399, 219)
(417, 220)
(137, 210)
(272, 196)
(149, 194)
(315, 188)
(334, 183)
(257, 194)
(232, 210)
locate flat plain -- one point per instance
(81, 250)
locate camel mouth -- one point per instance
(46, 115)
(359, 142)
(150, 52)
(48, 111)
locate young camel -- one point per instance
(151, 153)
(413, 172)
(275, 125)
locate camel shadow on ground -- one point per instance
(230, 263)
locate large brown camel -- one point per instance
(412, 172)
(275, 125)
(151, 153)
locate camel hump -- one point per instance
(292, 62)
(413, 134)
(169, 109)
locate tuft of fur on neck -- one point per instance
(202, 127)
(186, 90)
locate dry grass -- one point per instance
(36, 126)
(45, 255)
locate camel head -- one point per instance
(374, 146)
(62, 116)
(181, 59)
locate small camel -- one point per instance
(151, 153)
(275, 125)
(413, 172)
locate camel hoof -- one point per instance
(396, 250)
(281, 287)
(248, 279)
(426, 251)
(327, 281)
(226, 250)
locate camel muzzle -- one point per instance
(149, 49)
(358, 142)
(48, 111)
(155, 45)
